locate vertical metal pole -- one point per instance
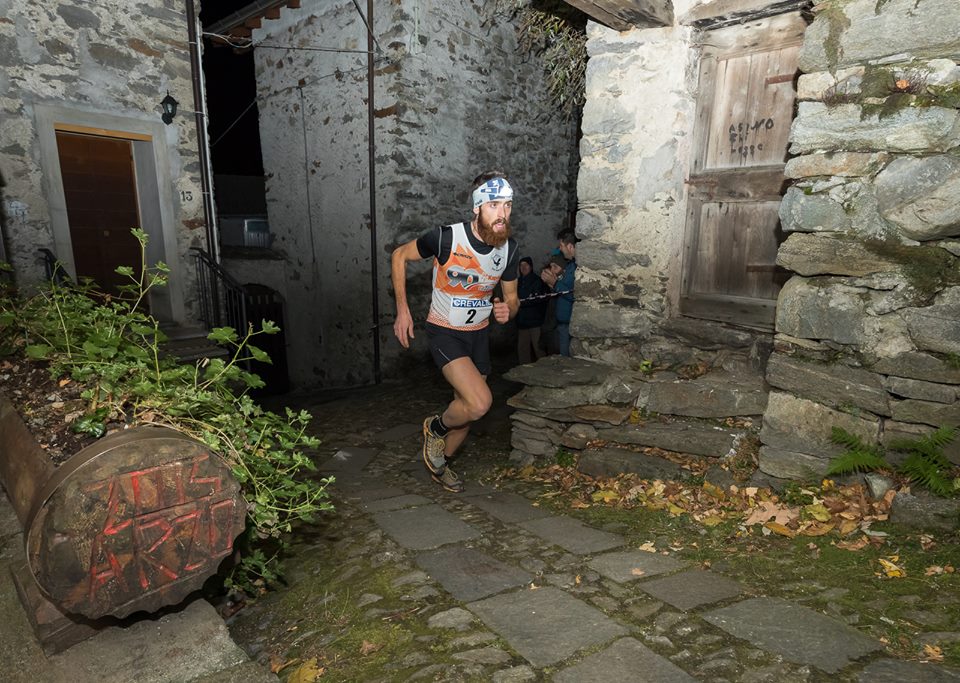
(372, 149)
(200, 108)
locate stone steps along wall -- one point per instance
(868, 328)
(568, 403)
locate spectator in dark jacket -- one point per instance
(568, 247)
(532, 312)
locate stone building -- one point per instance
(767, 197)
(83, 151)
(452, 95)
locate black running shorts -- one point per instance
(447, 345)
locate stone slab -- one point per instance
(396, 503)
(898, 671)
(398, 433)
(248, 672)
(469, 574)
(180, 646)
(626, 660)
(796, 633)
(632, 565)
(545, 626)
(572, 536)
(351, 459)
(426, 527)
(367, 490)
(691, 589)
(507, 507)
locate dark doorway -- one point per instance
(100, 189)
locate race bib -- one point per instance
(464, 312)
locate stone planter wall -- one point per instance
(868, 328)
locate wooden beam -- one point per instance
(727, 12)
(623, 15)
(272, 13)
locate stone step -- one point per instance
(189, 343)
(678, 435)
(719, 393)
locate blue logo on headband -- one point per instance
(493, 189)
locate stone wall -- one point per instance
(868, 328)
(104, 64)
(453, 97)
(637, 130)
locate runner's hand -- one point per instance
(403, 328)
(501, 311)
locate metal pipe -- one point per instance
(372, 150)
(200, 116)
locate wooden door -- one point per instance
(100, 188)
(744, 111)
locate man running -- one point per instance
(469, 260)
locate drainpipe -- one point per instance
(200, 116)
(372, 149)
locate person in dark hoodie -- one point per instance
(531, 314)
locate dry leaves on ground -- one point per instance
(846, 512)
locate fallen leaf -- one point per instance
(891, 568)
(933, 653)
(578, 504)
(368, 648)
(818, 511)
(577, 580)
(636, 571)
(778, 528)
(858, 544)
(711, 520)
(307, 672)
(933, 571)
(816, 529)
(927, 542)
(604, 496)
(64, 382)
(277, 663)
(847, 527)
(648, 547)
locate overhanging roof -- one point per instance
(623, 15)
(241, 23)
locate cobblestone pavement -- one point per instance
(488, 586)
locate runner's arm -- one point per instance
(403, 325)
(504, 310)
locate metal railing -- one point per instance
(223, 300)
(53, 269)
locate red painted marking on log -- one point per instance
(196, 515)
(203, 480)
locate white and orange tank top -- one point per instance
(463, 285)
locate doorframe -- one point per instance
(148, 139)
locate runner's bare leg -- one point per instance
(471, 401)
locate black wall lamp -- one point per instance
(169, 106)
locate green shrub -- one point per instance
(113, 348)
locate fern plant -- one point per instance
(925, 464)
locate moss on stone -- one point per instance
(837, 22)
(928, 269)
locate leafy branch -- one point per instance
(109, 345)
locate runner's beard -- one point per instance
(491, 236)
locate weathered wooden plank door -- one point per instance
(744, 111)
(99, 185)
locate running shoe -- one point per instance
(448, 480)
(433, 445)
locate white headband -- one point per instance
(493, 189)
